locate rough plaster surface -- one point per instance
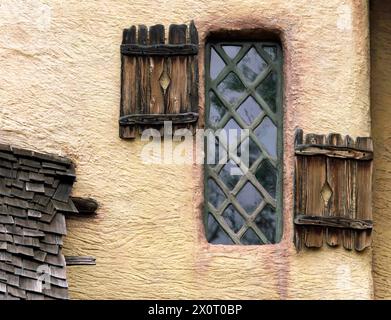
(59, 92)
(381, 130)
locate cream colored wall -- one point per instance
(59, 92)
(381, 131)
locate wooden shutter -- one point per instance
(159, 79)
(333, 196)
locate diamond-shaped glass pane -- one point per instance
(252, 65)
(267, 177)
(249, 152)
(271, 51)
(249, 110)
(268, 90)
(230, 174)
(215, 194)
(232, 51)
(215, 234)
(266, 222)
(233, 218)
(267, 136)
(233, 133)
(212, 156)
(249, 198)
(216, 64)
(231, 88)
(216, 110)
(250, 238)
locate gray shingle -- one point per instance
(34, 191)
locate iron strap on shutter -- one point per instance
(159, 80)
(333, 196)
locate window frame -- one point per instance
(278, 120)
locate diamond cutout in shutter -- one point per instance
(249, 198)
(233, 218)
(267, 136)
(267, 177)
(249, 110)
(252, 65)
(326, 193)
(217, 110)
(216, 64)
(230, 174)
(250, 238)
(266, 222)
(268, 90)
(232, 51)
(215, 233)
(215, 195)
(164, 80)
(231, 88)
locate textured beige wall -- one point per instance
(59, 92)
(381, 131)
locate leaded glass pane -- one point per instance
(243, 192)
(230, 174)
(216, 110)
(266, 222)
(233, 218)
(267, 177)
(267, 135)
(231, 51)
(268, 90)
(216, 234)
(216, 196)
(250, 237)
(249, 198)
(249, 110)
(231, 88)
(217, 64)
(252, 65)
(271, 51)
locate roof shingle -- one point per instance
(34, 194)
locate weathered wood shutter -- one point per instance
(159, 80)
(333, 196)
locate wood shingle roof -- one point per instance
(34, 195)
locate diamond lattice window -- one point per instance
(244, 96)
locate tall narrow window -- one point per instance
(243, 169)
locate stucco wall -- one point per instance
(59, 92)
(381, 130)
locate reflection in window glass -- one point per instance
(217, 64)
(252, 65)
(243, 97)
(231, 51)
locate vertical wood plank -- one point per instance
(156, 36)
(177, 91)
(128, 83)
(192, 75)
(299, 192)
(336, 177)
(350, 205)
(143, 74)
(315, 180)
(193, 70)
(364, 194)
